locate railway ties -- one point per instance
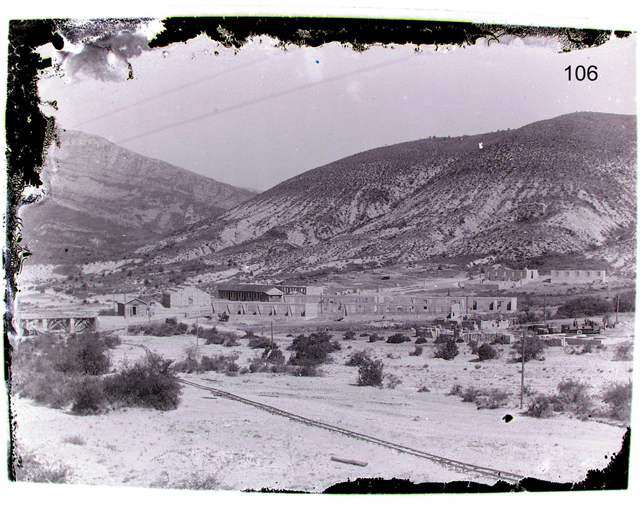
(464, 467)
(449, 463)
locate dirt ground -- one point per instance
(240, 447)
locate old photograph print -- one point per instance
(295, 253)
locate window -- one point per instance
(474, 306)
(134, 310)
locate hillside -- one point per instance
(557, 186)
(103, 201)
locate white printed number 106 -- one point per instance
(581, 73)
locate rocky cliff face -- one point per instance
(102, 201)
(558, 186)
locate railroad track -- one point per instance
(464, 467)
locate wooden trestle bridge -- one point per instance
(33, 324)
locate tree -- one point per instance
(448, 351)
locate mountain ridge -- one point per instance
(553, 186)
(103, 201)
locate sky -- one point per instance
(258, 116)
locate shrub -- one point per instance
(88, 397)
(486, 352)
(373, 338)
(470, 394)
(397, 338)
(474, 345)
(423, 389)
(336, 345)
(543, 406)
(573, 396)
(221, 363)
(311, 350)
(584, 306)
(84, 353)
(214, 337)
(623, 351)
(391, 381)
(420, 341)
(417, 351)
(443, 338)
(502, 339)
(534, 348)
(150, 382)
(364, 335)
(370, 373)
(455, 390)
(169, 328)
(619, 398)
(448, 351)
(349, 335)
(357, 358)
(259, 342)
(308, 370)
(626, 301)
(28, 469)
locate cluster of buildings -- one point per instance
(522, 276)
(291, 300)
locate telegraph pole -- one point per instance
(522, 369)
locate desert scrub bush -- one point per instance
(168, 328)
(474, 346)
(501, 339)
(373, 338)
(417, 351)
(448, 351)
(150, 382)
(623, 351)
(470, 394)
(88, 397)
(420, 341)
(584, 306)
(28, 469)
(311, 350)
(221, 363)
(370, 373)
(618, 397)
(397, 338)
(543, 406)
(486, 352)
(196, 482)
(349, 335)
(77, 440)
(358, 357)
(307, 370)
(423, 389)
(492, 399)
(226, 339)
(455, 390)
(391, 381)
(259, 342)
(534, 349)
(573, 396)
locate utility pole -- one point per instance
(522, 369)
(272, 329)
(616, 320)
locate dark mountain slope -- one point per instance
(103, 201)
